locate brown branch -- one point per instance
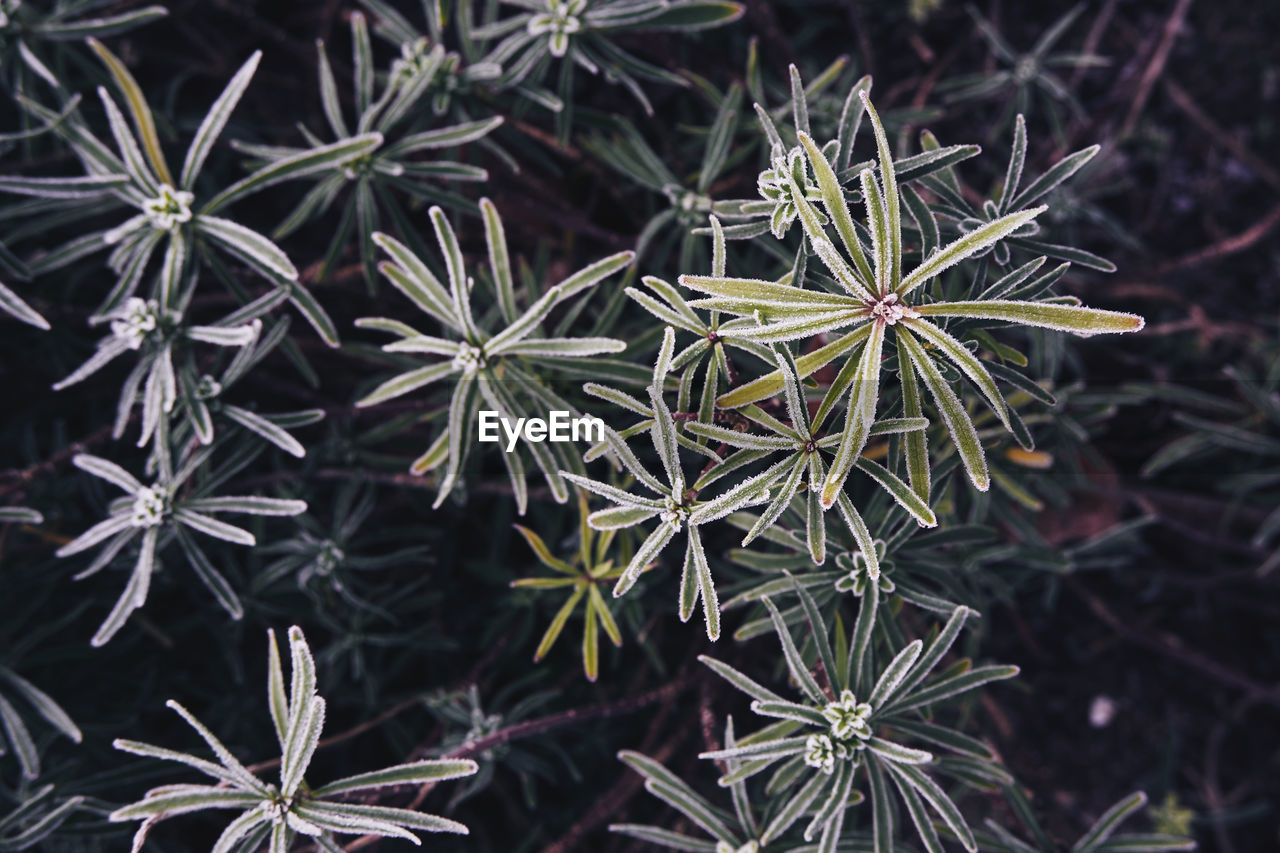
(1155, 66)
(539, 726)
(22, 478)
(1092, 39)
(354, 731)
(569, 717)
(1171, 647)
(1186, 102)
(1226, 246)
(628, 785)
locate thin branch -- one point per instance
(539, 726)
(1171, 647)
(1155, 67)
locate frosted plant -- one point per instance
(493, 367)
(37, 815)
(401, 160)
(35, 33)
(878, 299)
(153, 516)
(855, 727)
(1026, 77)
(578, 34)
(1103, 837)
(463, 77)
(160, 338)
(802, 441)
(667, 304)
(167, 217)
(582, 574)
(204, 396)
(1016, 193)
(675, 504)
(737, 834)
(325, 561)
(277, 813)
(689, 202)
(18, 735)
(788, 173)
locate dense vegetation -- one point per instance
(935, 505)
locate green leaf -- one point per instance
(593, 274)
(741, 681)
(895, 672)
(882, 810)
(706, 587)
(1055, 175)
(138, 110)
(1110, 821)
(938, 799)
(20, 738)
(591, 644)
(300, 165)
(216, 119)
(188, 798)
(606, 618)
(691, 15)
(209, 576)
(81, 187)
(951, 686)
(807, 364)
(444, 137)
(276, 699)
(954, 416)
(959, 355)
(975, 241)
(402, 774)
(406, 382)
(414, 279)
(768, 293)
(861, 415)
(795, 662)
(212, 527)
(1076, 319)
(248, 245)
(833, 202)
(893, 217)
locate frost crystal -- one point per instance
(133, 321)
(820, 753)
(329, 558)
(889, 310)
(414, 59)
(208, 388)
(848, 717)
(675, 514)
(561, 22)
(149, 507)
(774, 184)
(468, 360)
(749, 847)
(169, 209)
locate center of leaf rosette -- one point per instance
(675, 514)
(889, 310)
(150, 506)
(169, 209)
(850, 728)
(469, 359)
